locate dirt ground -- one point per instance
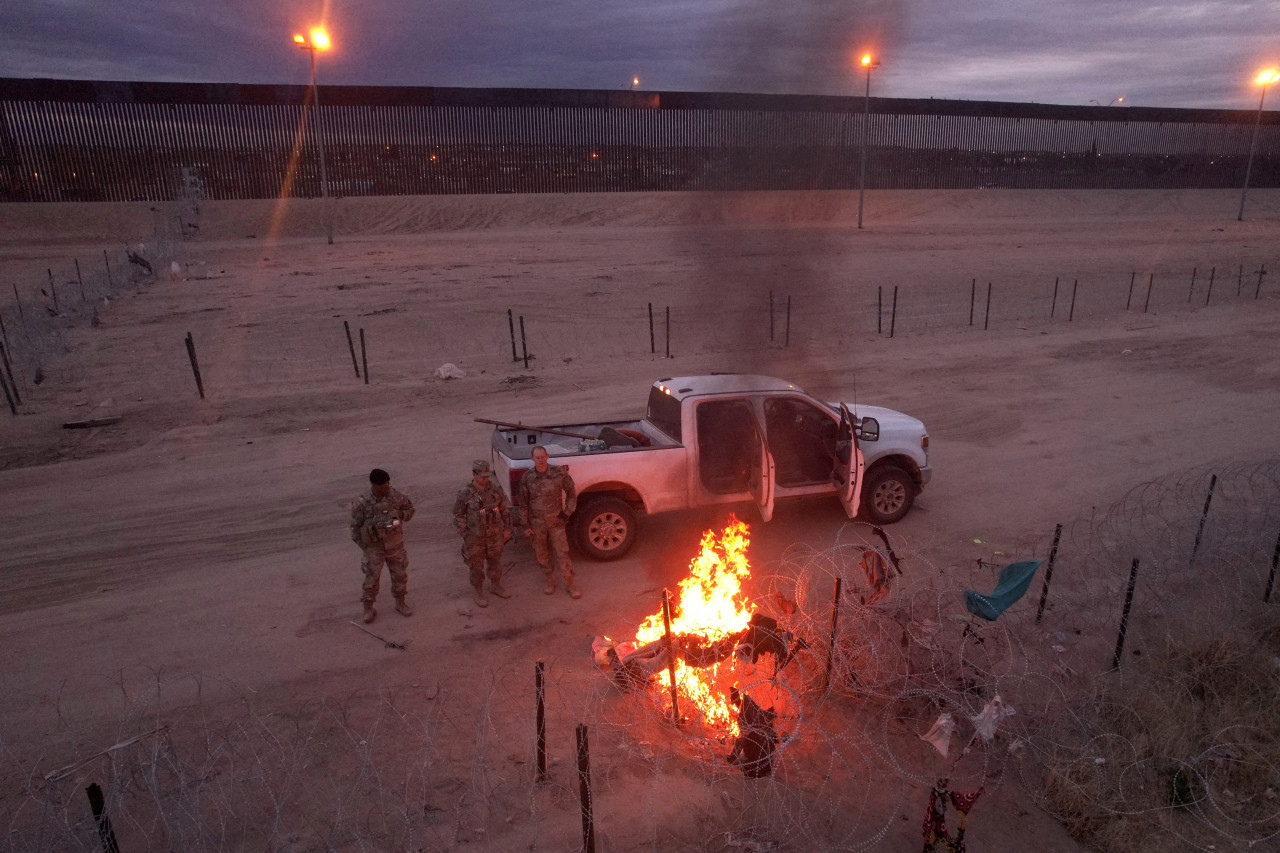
(185, 574)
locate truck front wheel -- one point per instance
(887, 494)
(605, 527)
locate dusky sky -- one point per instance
(1183, 53)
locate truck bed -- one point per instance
(518, 444)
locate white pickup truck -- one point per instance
(723, 438)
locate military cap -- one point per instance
(481, 466)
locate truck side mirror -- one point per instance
(869, 430)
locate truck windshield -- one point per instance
(664, 413)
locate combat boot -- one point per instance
(499, 590)
(481, 599)
(574, 592)
(369, 613)
(402, 607)
(550, 588)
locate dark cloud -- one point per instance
(1180, 53)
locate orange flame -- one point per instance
(711, 607)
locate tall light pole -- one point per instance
(868, 63)
(1271, 75)
(318, 39)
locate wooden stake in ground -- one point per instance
(1048, 573)
(8, 368)
(1271, 578)
(80, 279)
(107, 261)
(1124, 618)
(98, 806)
(584, 791)
(1204, 516)
(195, 365)
(18, 301)
(4, 384)
(364, 357)
(787, 338)
(835, 621)
(351, 346)
(671, 652)
(524, 348)
(540, 692)
(511, 324)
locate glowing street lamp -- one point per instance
(1265, 78)
(318, 39)
(868, 62)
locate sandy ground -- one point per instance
(189, 566)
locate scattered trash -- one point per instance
(175, 270)
(385, 642)
(939, 735)
(990, 716)
(93, 422)
(449, 370)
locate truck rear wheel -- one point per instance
(605, 527)
(887, 494)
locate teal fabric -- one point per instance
(1011, 585)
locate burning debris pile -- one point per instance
(721, 658)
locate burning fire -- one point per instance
(709, 608)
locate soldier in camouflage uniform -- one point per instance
(377, 526)
(547, 499)
(480, 515)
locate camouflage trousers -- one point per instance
(479, 548)
(548, 539)
(397, 561)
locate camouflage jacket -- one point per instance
(480, 512)
(544, 496)
(380, 521)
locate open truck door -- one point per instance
(762, 486)
(733, 456)
(847, 474)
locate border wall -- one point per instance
(79, 140)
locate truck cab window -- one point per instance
(728, 446)
(802, 439)
(664, 413)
